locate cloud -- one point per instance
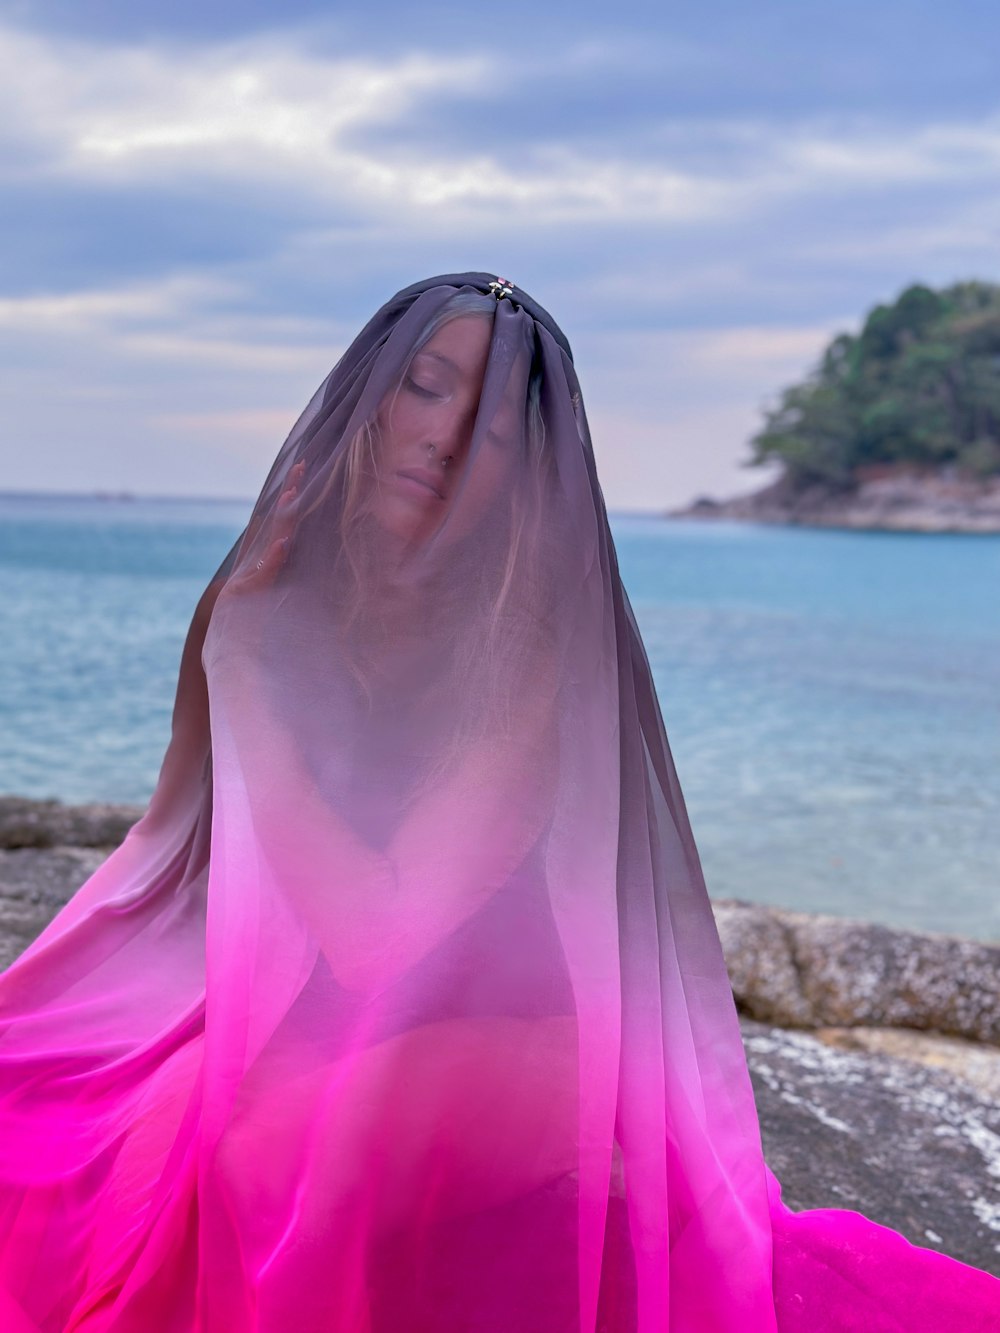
(684, 366)
(88, 311)
(879, 156)
(657, 463)
(972, 235)
(748, 351)
(172, 322)
(200, 227)
(250, 434)
(267, 114)
(672, 411)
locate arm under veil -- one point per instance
(478, 582)
(498, 791)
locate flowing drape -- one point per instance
(403, 1007)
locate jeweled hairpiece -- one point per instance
(501, 287)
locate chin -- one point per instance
(401, 521)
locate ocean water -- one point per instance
(832, 699)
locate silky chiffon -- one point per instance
(402, 1008)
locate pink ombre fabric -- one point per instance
(402, 1010)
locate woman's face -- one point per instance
(425, 431)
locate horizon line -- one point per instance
(106, 495)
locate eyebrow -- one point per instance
(445, 360)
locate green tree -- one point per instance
(920, 384)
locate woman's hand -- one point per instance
(279, 526)
(190, 728)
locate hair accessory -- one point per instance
(481, 282)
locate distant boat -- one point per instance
(113, 495)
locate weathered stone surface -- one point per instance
(33, 886)
(800, 970)
(900, 1124)
(762, 964)
(28, 823)
(977, 1065)
(910, 1147)
(902, 498)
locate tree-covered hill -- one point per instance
(919, 385)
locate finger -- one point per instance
(262, 517)
(263, 571)
(283, 521)
(273, 558)
(295, 475)
(282, 525)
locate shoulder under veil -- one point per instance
(403, 1007)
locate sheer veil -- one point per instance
(403, 1007)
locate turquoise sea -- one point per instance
(832, 698)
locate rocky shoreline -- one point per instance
(890, 498)
(874, 1052)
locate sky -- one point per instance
(201, 205)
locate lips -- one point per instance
(425, 478)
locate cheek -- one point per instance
(388, 426)
(403, 425)
(490, 478)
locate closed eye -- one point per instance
(411, 384)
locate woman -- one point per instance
(403, 1008)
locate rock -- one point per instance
(909, 1147)
(800, 970)
(762, 964)
(976, 1065)
(28, 823)
(868, 1112)
(899, 497)
(33, 886)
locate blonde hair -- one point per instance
(503, 651)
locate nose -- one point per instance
(445, 459)
(450, 440)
